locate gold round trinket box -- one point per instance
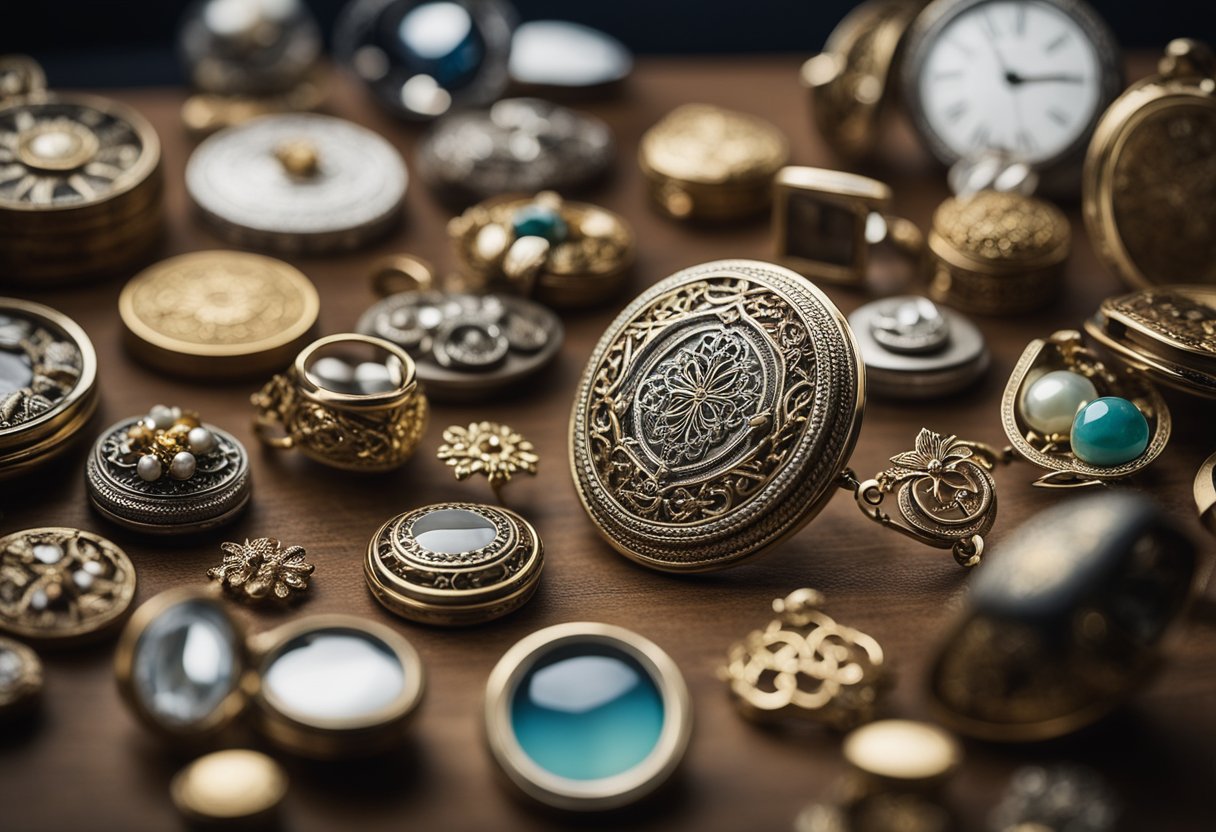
(563, 254)
(1168, 332)
(716, 415)
(48, 374)
(218, 314)
(707, 163)
(61, 586)
(80, 190)
(1147, 196)
(321, 686)
(997, 253)
(454, 563)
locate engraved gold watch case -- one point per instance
(716, 415)
(1168, 332)
(1147, 196)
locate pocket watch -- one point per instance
(80, 183)
(1148, 201)
(717, 414)
(1029, 77)
(321, 686)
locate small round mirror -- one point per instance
(453, 531)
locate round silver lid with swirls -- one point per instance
(715, 416)
(467, 347)
(299, 182)
(518, 145)
(168, 473)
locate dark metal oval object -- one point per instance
(1065, 621)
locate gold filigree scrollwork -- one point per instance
(804, 663)
(944, 492)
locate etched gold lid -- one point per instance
(218, 314)
(1001, 229)
(716, 415)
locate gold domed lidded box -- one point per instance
(997, 253)
(716, 415)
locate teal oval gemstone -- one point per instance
(539, 221)
(1109, 431)
(587, 712)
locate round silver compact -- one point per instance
(422, 58)
(322, 686)
(587, 717)
(467, 347)
(518, 145)
(168, 473)
(299, 183)
(915, 349)
(454, 563)
(554, 57)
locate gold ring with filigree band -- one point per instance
(348, 401)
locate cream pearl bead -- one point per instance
(200, 440)
(161, 417)
(148, 468)
(1051, 402)
(182, 467)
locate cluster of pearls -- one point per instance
(1104, 431)
(170, 439)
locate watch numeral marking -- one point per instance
(1020, 20)
(1025, 141)
(1056, 43)
(1058, 116)
(948, 74)
(956, 110)
(979, 138)
(962, 47)
(989, 23)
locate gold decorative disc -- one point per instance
(715, 415)
(61, 585)
(218, 314)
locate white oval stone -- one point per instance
(48, 553)
(149, 468)
(201, 440)
(161, 417)
(182, 467)
(1051, 402)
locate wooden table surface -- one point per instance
(87, 765)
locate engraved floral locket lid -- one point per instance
(716, 415)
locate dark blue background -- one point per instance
(127, 42)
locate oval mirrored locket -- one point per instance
(587, 717)
(321, 686)
(454, 563)
(716, 415)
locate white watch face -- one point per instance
(1020, 76)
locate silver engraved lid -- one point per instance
(297, 183)
(467, 347)
(518, 145)
(214, 493)
(915, 349)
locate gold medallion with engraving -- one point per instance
(707, 163)
(1148, 174)
(62, 586)
(218, 314)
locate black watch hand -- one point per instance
(1063, 78)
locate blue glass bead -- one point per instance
(1109, 431)
(540, 221)
(588, 713)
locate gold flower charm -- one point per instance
(497, 451)
(261, 568)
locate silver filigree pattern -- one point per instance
(43, 369)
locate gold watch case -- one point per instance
(1147, 196)
(706, 163)
(716, 415)
(454, 564)
(1168, 332)
(308, 725)
(56, 394)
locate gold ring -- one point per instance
(366, 416)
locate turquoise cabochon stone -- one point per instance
(1109, 431)
(540, 221)
(587, 713)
